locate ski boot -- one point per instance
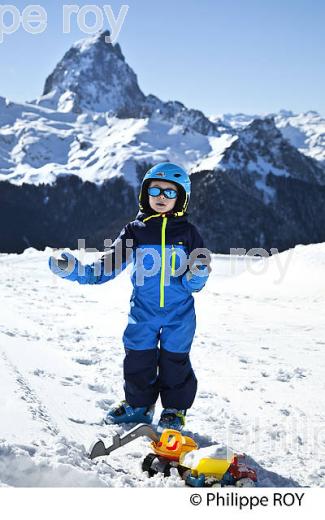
(172, 419)
(125, 413)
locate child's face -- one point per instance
(162, 204)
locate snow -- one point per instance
(192, 458)
(258, 354)
(72, 129)
(214, 158)
(235, 121)
(305, 131)
(38, 144)
(263, 168)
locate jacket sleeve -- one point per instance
(199, 266)
(113, 261)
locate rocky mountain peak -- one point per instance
(257, 155)
(93, 76)
(261, 148)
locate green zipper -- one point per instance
(173, 260)
(163, 261)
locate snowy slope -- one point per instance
(38, 144)
(258, 355)
(305, 131)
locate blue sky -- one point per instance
(251, 56)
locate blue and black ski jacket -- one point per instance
(163, 248)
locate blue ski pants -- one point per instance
(150, 370)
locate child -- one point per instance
(159, 242)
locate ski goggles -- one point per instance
(169, 193)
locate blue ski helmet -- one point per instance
(170, 172)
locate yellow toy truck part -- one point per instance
(173, 445)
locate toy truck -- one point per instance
(174, 450)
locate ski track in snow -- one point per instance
(258, 354)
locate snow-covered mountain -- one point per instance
(305, 131)
(259, 149)
(39, 144)
(93, 120)
(94, 123)
(93, 75)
